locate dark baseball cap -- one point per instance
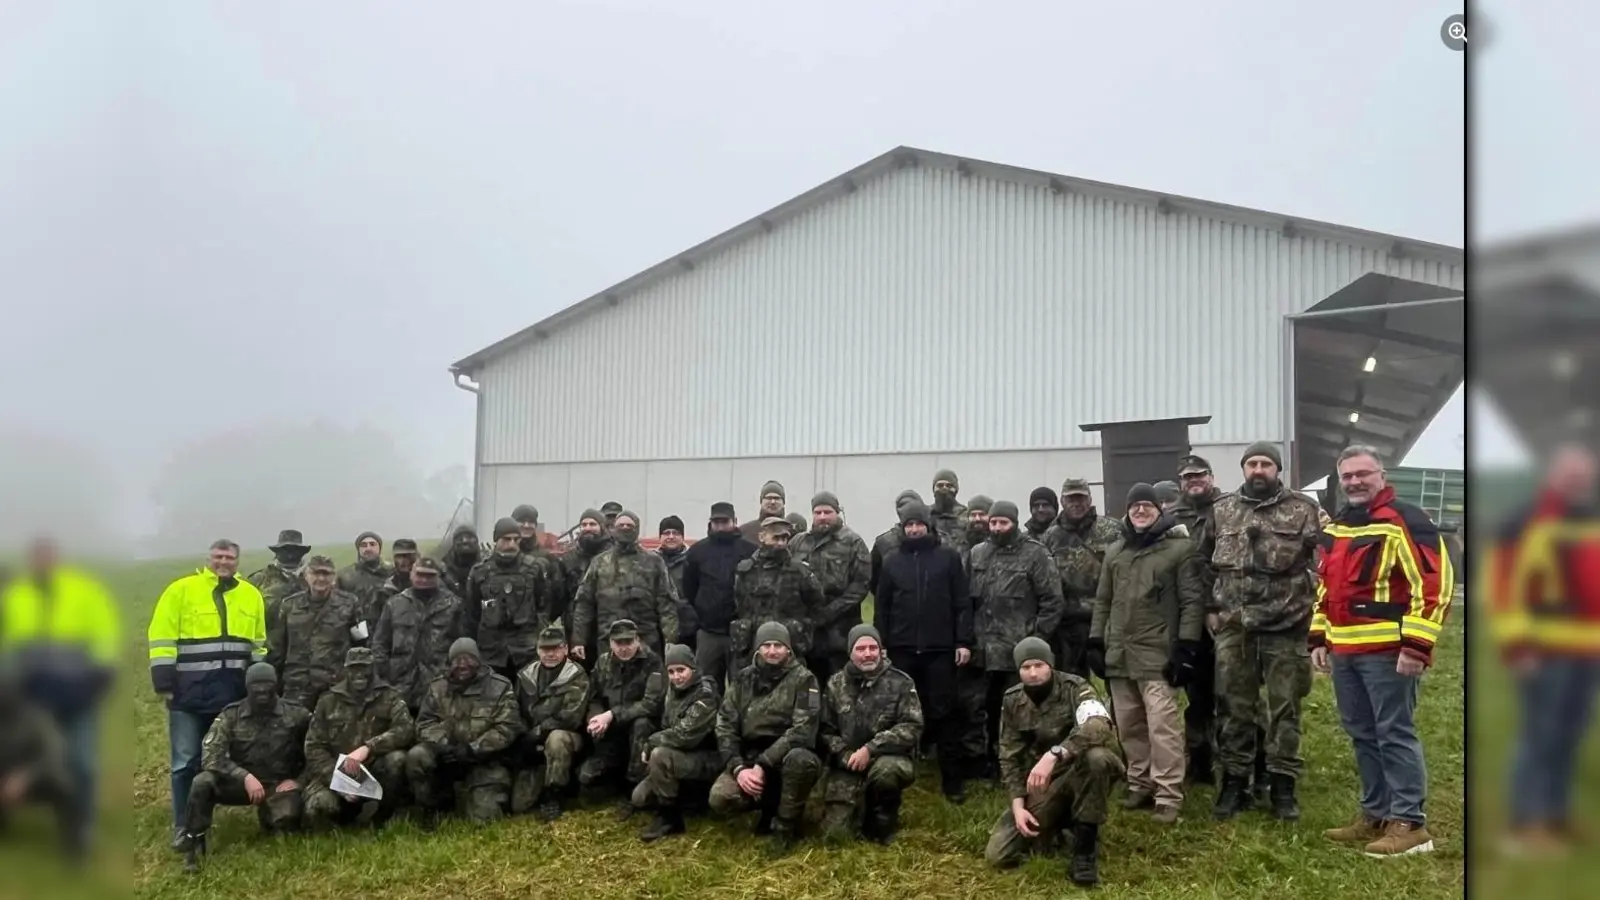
(722, 510)
(1193, 465)
(402, 546)
(623, 630)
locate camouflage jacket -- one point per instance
(271, 747)
(634, 689)
(626, 583)
(1018, 592)
(366, 581)
(275, 583)
(481, 718)
(689, 718)
(1149, 599)
(842, 563)
(412, 642)
(458, 569)
(688, 618)
(880, 711)
(767, 713)
(1196, 516)
(574, 565)
(307, 640)
(1028, 730)
(950, 524)
(32, 740)
(552, 700)
(378, 720)
(1079, 549)
(1263, 553)
(508, 603)
(774, 589)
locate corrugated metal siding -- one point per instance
(930, 312)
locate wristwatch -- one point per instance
(1058, 751)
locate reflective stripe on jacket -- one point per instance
(202, 638)
(1541, 578)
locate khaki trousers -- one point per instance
(1151, 729)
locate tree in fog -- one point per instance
(50, 484)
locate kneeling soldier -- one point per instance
(468, 720)
(1058, 760)
(366, 719)
(684, 750)
(871, 726)
(552, 693)
(624, 709)
(33, 766)
(766, 729)
(252, 756)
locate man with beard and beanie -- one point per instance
(888, 542)
(363, 718)
(1059, 761)
(1261, 545)
(625, 582)
(949, 516)
(610, 510)
(972, 680)
(284, 575)
(532, 544)
(1143, 640)
(306, 642)
(1193, 511)
(871, 727)
(254, 756)
(625, 700)
(684, 750)
(772, 586)
(922, 608)
(34, 765)
(842, 563)
(1017, 593)
(708, 577)
(767, 728)
(464, 552)
(674, 552)
(507, 603)
(553, 694)
(411, 644)
(593, 538)
(1078, 540)
(1043, 509)
(468, 722)
(367, 575)
(402, 555)
(975, 528)
(772, 507)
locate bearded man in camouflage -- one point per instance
(1261, 545)
(949, 516)
(625, 582)
(871, 726)
(367, 575)
(1078, 540)
(842, 563)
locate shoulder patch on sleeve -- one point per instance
(745, 565)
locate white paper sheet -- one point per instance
(364, 786)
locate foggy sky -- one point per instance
(218, 214)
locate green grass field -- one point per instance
(938, 853)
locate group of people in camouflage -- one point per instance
(736, 673)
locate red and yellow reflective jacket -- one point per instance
(1386, 580)
(1541, 578)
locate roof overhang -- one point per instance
(1373, 364)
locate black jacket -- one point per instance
(708, 580)
(922, 602)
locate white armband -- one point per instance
(358, 631)
(1089, 709)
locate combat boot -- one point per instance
(764, 822)
(1084, 869)
(785, 835)
(195, 847)
(1232, 799)
(886, 819)
(668, 820)
(954, 786)
(1284, 805)
(1201, 770)
(1261, 786)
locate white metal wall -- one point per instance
(930, 312)
(866, 485)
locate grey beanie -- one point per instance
(906, 497)
(915, 511)
(826, 498)
(980, 503)
(773, 631)
(773, 487)
(1167, 491)
(507, 527)
(859, 632)
(1003, 509)
(464, 647)
(595, 514)
(1030, 648)
(680, 655)
(261, 673)
(1263, 448)
(947, 475)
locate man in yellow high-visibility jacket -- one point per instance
(207, 629)
(60, 631)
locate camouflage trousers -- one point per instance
(667, 769)
(1078, 793)
(541, 766)
(784, 793)
(971, 713)
(842, 792)
(1247, 662)
(324, 807)
(485, 788)
(279, 812)
(618, 752)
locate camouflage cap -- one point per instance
(358, 656)
(289, 539)
(426, 564)
(320, 563)
(403, 546)
(553, 635)
(1075, 487)
(623, 630)
(776, 524)
(1194, 465)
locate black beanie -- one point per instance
(1143, 493)
(1043, 495)
(670, 523)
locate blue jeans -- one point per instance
(185, 733)
(1557, 700)
(1377, 707)
(82, 733)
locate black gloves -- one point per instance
(1180, 669)
(455, 755)
(1094, 656)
